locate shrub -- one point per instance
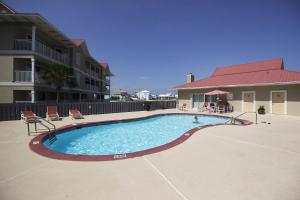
(261, 110)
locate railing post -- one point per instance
(255, 117)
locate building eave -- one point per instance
(240, 85)
(40, 22)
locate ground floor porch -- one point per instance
(20, 94)
(276, 99)
(222, 162)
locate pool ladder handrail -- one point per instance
(232, 119)
(51, 134)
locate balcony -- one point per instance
(42, 49)
(91, 87)
(106, 81)
(22, 76)
(25, 76)
(105, 90)
(95, 88)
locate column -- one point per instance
(32, 69)
(32, 96)
(33, 38)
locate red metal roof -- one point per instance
(263, 72)
(104, 65)
(77, 42)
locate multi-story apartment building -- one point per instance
(28, 43)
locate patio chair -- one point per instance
(221, 108)
(183, 107)
(212, 107)
(29, 117)
(52, 113)
(75, 114)
(204, 107)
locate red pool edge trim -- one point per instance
(36, 144)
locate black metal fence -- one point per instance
(12, 111)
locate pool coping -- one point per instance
(36, 144)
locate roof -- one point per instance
(104, 65)
(41, 24)
(249, 67)
(255, 73)
(77, 42)
(4, 8)
(119, 92)
(106, 69)
(144, 91)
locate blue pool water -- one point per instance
(127, 137)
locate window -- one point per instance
(210, 98)
(77, 58)
(78, 78)
(87, 81)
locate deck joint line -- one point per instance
(165, 178)
(24, 172)
(254, 144)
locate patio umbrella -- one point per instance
(216, 92)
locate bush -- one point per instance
(261, 110)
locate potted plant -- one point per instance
(261, 110)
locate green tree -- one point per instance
(58, 76)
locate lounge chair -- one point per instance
(28, 117)
(204, 107)
(75, 114)
(52, 113)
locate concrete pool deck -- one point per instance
(223, 162)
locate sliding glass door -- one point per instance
(198, 100)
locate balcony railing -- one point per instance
(25, 76)
(107, 82)
(105, 90)
(92, 87)
(22, 76)
(40, 48)
(22, 44)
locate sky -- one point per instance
(154, 44)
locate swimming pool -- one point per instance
(128, 138)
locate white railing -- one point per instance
(107, 82)
(91, 87)
(49, 52)
(23, 44)
(22, 76)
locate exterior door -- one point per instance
(248, 102)
(278, 102)
(198, 100)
